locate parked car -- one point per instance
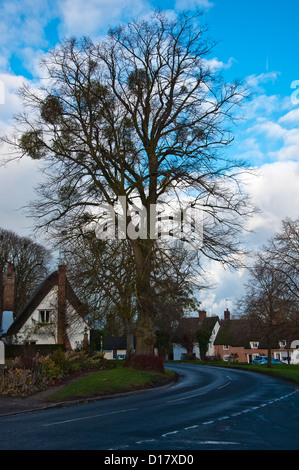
(264, 360)
(121, 356)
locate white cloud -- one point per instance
(255, 82)
(291, 117)
(10, 102)
(22, 23)
(273, 133)
(271, 129)
(193, 4)
(17, 180)
(264, 105)
(93, 17)
(228, 283)
(275, 191)
(215, 64)
(250, 150)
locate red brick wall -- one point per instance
(61, 335)
(243, 354)
(9, 291)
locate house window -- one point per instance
(44, 316)
(225, 347)
(283, 343)
(254, 344)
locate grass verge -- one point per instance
(107, 382)
(283, 371)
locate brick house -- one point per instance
(115, 346)
(239, 339)
(53, 314)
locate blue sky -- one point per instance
(257, 41)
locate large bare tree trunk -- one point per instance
(269, 364)
(145, 335)
(145, 331)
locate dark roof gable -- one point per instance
(190, 325)
(38, 295)
(116, 342)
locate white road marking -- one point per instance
(222, 386)
(147, 440)
(89, 417)
(169, 433)
(223, 443)
(253, 408)
(247, 410)
(187, 398)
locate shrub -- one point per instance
(27, 361)
(145, 362)
(20, 382)
(29, 373)
(60, 359)
(48, 370)
(82, 360)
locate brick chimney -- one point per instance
(202, 315)
(9, 290)
(61, 309)
(226, 314)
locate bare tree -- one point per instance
(282, 253)
(30, 263)
(102, 272)
(137, 116)
(176, 281)
(273, 311)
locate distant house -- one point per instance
(242, 340)
(230, 339)
(53, 314)
(115, 346)
(185, 343)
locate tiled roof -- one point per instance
(240, 332)
(116, 342)
(190, 325)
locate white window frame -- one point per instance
(44, 316)
(254, 344)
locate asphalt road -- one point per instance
(208, 408)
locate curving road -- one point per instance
(208, 408)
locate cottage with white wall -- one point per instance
(186, 333)
(53, 315)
